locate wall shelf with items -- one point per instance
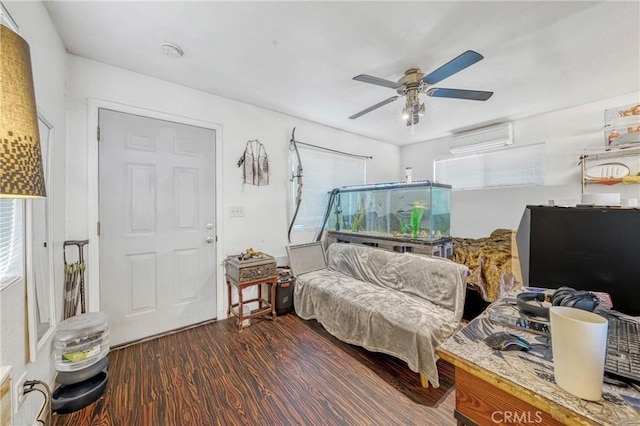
(618, 161)
(622, 126)
(610, 173)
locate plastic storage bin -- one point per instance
(81, 341)
(70, 398)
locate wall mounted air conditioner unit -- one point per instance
(482, 139)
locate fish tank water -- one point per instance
(419, 211)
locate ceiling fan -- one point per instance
(415, 82)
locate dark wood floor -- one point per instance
(273, 373)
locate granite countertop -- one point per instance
(533, 370)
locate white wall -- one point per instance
(475, 213)
(265, 224)
(48, 63)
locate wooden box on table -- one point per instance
(242, 271)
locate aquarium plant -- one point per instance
(416, 217)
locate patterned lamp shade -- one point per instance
(21, 173)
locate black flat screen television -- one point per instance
(587, 248)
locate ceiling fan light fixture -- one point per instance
(415, 82)
(412, 120)
(405, 114)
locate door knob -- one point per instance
(209, 225)
(210, 240)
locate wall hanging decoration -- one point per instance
(255, 164)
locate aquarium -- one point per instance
(419, 211)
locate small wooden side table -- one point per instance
(264, 306)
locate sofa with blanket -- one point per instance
(400, 304)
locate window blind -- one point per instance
(11, 244)
(508, 167)
(323, 171)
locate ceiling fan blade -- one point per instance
(377, 81)
(373, 107)
(455, 65)
(474, 95)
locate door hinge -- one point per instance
(98, 228)
(98, 133)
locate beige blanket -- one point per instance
(489, 260)
(403, 305)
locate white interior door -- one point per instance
(157, 233)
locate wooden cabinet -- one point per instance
(487, 404)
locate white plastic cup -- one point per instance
(579, 345)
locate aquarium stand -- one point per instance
(442, 247)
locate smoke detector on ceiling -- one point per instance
(171, 50)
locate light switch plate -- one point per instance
(236, 211)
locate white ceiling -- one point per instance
(299, 58)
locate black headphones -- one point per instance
(564, 296)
